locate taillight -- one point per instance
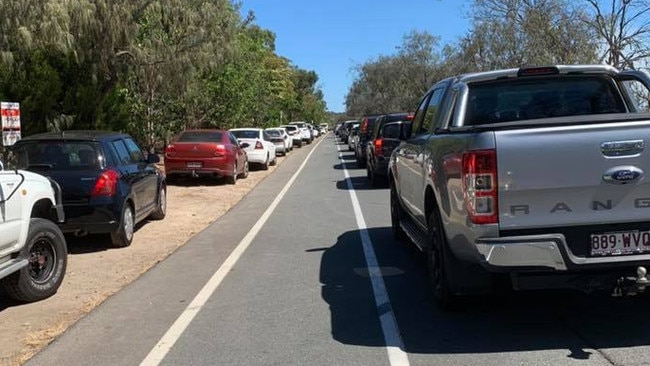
(258, 145)
(479, 177)
(377, 143)
(170, 150)
(220, 151)
(106, 183)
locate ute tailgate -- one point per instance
(573, 175)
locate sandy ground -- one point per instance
(96, 271)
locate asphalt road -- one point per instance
(301, 294)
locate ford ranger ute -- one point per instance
(533, 177)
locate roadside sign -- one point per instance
(10, 113)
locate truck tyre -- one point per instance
(438, 262)
(396, 215)
(124, 234)
(161, 207)
(47, 253)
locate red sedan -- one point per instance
(206, 153)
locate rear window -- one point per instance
(200, 136)
(274, 133)
(246, 134)
(524, 99)
(58, 155)
(290, 128)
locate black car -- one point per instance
(385, 138)
(346, 129)
(366, 127)
(108, 183)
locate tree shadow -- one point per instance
(504, 322)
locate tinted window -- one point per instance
(494, 102)
(233, 139)
(391, 131)
(200, 136)
(266, 136)
(134, 151)
(246, 134)
(419, 115)
(58, 155)
(122, 153)
(274, 133)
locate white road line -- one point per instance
(160, 350)
(394, 344)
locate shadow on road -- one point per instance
(514, 322)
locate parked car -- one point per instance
(294, 132)
(324, 127)
(385, 138)
(305, 133)
(260, 149)
(210, 152)
(281, 140)
(108, 184)
(366, 126)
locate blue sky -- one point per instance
(332, 36)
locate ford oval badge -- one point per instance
(623, 175)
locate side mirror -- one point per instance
(153, 159)
(244, 145)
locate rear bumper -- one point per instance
(89, 219)
(257, 156)
(216, 166)
(541, 253)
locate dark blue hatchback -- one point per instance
(108, 183)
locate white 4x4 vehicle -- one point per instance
(33, 251)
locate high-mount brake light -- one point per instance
(536, 71)
(479, 180)
(105, 184)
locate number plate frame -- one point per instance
(194, 165)
(619, 243)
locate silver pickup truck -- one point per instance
(535, 178)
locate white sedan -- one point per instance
(260, 150)
(283, 142)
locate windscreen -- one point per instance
(56, 155)
(534, 98)
(200, 136)
(246, 134)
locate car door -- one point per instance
(405, 157)
(129, 173)
(148, 176)
(10, 211)
(239, 155)
(423, 133)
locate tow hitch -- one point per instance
(630, 286)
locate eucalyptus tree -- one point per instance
(513, 33)
(623, 28)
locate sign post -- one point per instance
(10, 113)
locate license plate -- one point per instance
(620, 243)
(194, 165)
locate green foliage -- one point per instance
(148, 67)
